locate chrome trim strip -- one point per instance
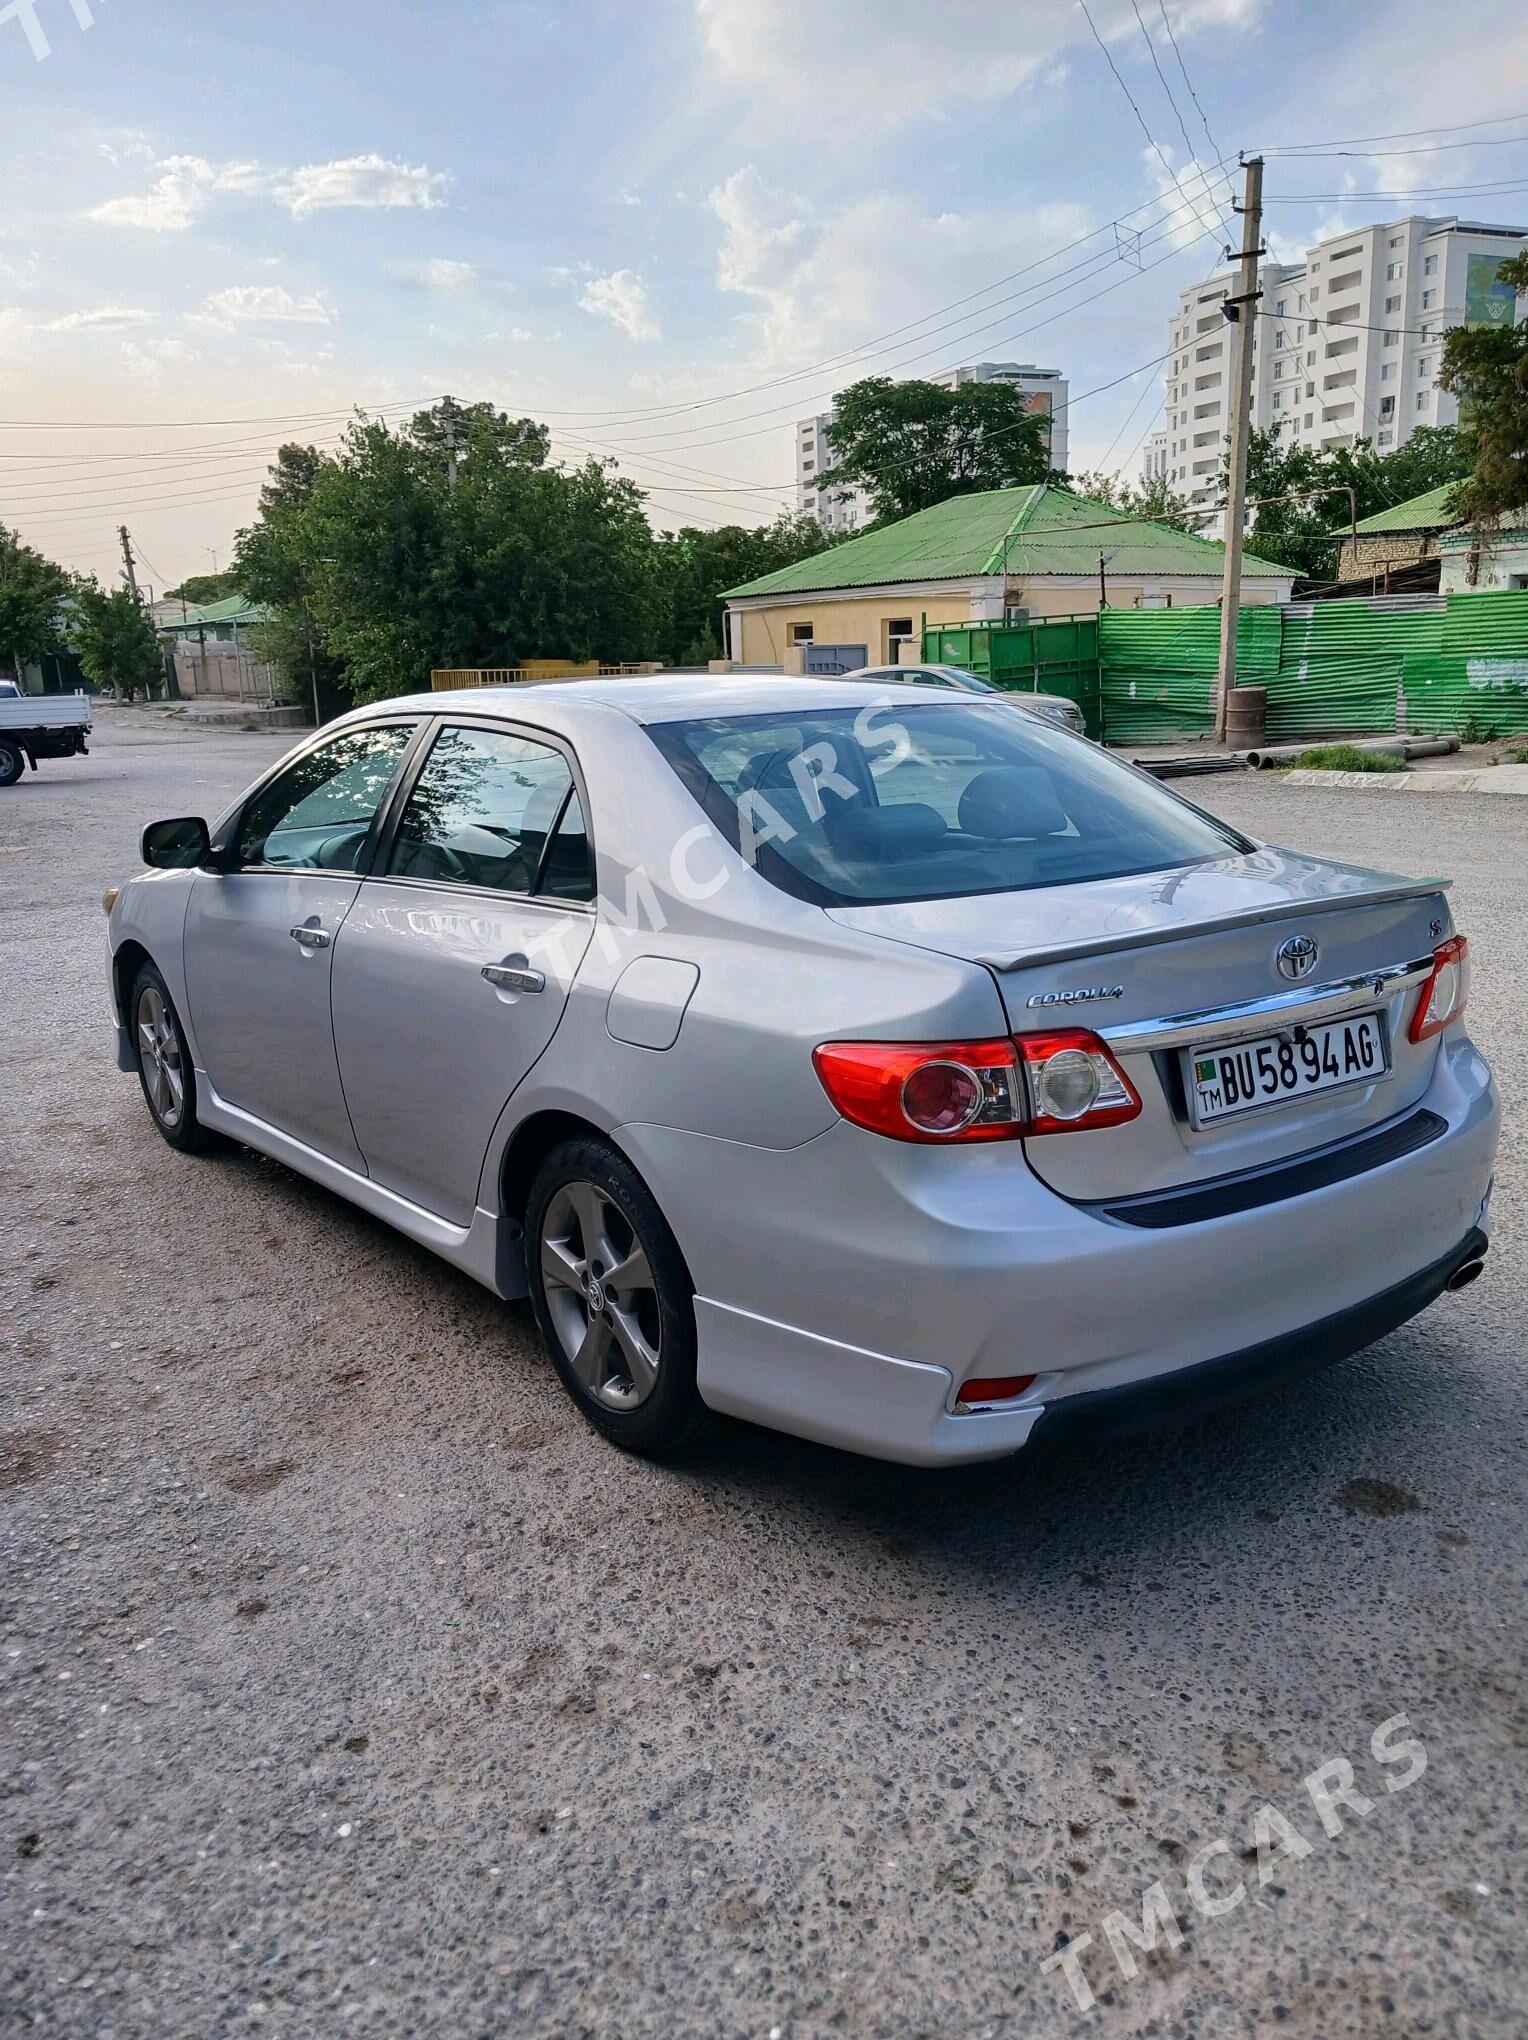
(1213, 924)
(1222, 1023)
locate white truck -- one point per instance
(34, 726)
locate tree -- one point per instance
(198, 590)
(33, 592)
(1305, 533)
(1486, 368)
(115, 640)
(913, 444)
(694, 568)
(1155, 504)
(399, 570)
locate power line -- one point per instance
(1193, 158)
(1415, 191)
(1455, 127)
(1188, 81)
(1151, 139)
(1383, 155)
(198, 424)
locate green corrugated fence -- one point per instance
(1365, 667)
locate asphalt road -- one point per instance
(351, 1685)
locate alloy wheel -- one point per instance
(164, 1077)
(600, 1295)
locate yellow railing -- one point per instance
(532, 671)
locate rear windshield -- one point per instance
(917, 801)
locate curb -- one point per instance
(1494, 779)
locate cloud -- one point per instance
(1199, 199)
(622, 298)
(818, 285)
(440, 274)
(264, 304)
(900, 60)
(180, 194)
(372, 183)
(155, 362)
(100, 319)
(187, 185)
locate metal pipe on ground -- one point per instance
(1407, 748)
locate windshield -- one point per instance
(928, 801)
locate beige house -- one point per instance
(1004, 553)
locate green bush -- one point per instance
(1346, 758)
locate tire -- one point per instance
(12, 764)
(164, 1064)
(625, 1348)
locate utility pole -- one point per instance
(127, 561)
(1241, 310)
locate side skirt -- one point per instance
(473, 1248)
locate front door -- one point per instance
(454, 965)
(259, 942)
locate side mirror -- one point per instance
(177, 845)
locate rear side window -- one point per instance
(483, 811)
(924, 801)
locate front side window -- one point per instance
(317, 815)
(928, 801)
(482, 811)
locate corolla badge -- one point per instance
(1079, 996)
(1296, 956)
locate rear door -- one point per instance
(259, 936)
(455, 962)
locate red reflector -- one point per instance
(994, 1388)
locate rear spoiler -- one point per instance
(1254, 917)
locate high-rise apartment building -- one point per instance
(1346, 345)
(1044, 388)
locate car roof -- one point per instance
(654, 698)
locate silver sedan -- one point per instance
(897, 1072)
(1056, 708)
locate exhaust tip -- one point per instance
(1466, 1273)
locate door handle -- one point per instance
(311, 938)
(514, 979)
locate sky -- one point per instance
(668, 228)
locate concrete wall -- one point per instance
(766, 633)
(1498, 565)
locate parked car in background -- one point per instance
(34, 726)
(1056, 708)
(913, 1078)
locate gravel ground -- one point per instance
(350, 1684)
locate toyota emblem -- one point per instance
(1296, 956)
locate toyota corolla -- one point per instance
(902, 1073)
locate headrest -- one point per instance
(1008, 801)
(541, 810)
(908, 829)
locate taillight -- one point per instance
(925, 1091)
(1447, 988)
(1062, 1081)
(1074, 1082)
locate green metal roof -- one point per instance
(1035, 531)
(1429, 512)
(232, 609)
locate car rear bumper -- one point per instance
(1136, 1406)
(845, 1288)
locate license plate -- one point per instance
(1245, 1076)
